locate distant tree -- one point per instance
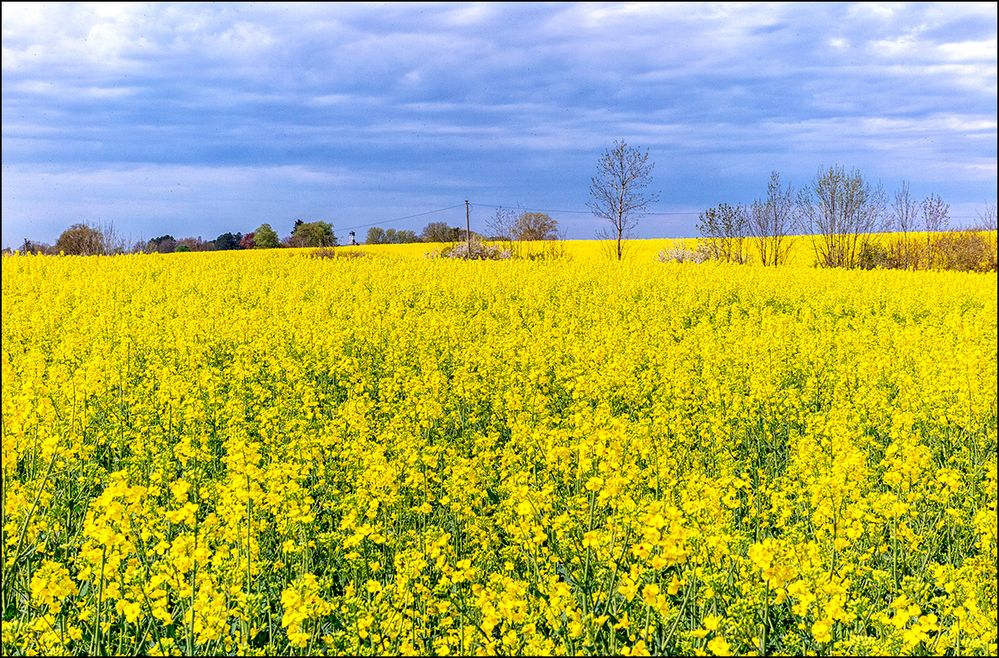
(401, 236)
(936, 217)
(902, 218)
(724, 229)
(80, 240)
(34, 247)
(265, 238)
(772, 220)
(228, 241)
(618, 191)
(535, 226)
(164, 244)
(114, 243)
(987, 221)
(248, 241)
(312, 234)
(904, 212)
(935, 213)
(194, 244)
(378, 235)
(500, 226)
(182, 247)
(987, 218)
(840, 210)
(441, 232)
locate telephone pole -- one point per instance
(468, 233)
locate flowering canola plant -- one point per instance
(261, 452)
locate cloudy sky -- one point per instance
(196, 119)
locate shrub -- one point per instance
(80, 240)
(966, 251)
(874, 256)
(553, 249)
(333, 252)
(475, 251)
(681, 254)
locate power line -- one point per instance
(399, 219)
(691, 213)
(489, 205)
(580, 212)
(688, 213)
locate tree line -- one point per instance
(84, 239)
(842, 212)
(839, 210)
(87, 240)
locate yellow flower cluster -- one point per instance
(263, 453)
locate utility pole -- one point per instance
(468, 233)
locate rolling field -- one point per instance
(263, 452)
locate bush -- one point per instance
(723, 230)
(333, 252)
(874, 256)
(478, 251)
(81, 240)
(553, 249)
(683, 254)
(965, 251)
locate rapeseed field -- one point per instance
(268, 453)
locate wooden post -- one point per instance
(468, 233)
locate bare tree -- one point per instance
(618, 191)
(724, 229)
(936, 218)
(903, 215)
(32, 247)
(840, 210)
(500, 226)
(987, 223)
(987, 218)
(935, 213)
(138, 246)
(904, 212)
(771, 220)
(114, 242)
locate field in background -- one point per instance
(265, 452)
(584, 249)
(801, 249)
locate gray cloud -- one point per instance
(375, 111)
